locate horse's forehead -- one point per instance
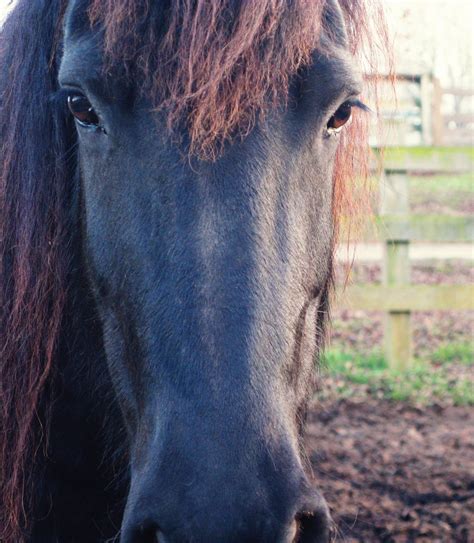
(76, 20)
(334, 21)
(82, 55)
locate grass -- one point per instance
(459, 353)
(448, 379)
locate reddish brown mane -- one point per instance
(219, 64)
(215, 66)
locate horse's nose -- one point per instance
(311, 524)
(313, 521)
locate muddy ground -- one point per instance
(395, 473)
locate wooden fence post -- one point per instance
(437, 115)
(426, 109)
(394, 201)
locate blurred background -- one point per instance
(397, 384)
(393, 430)
(417, 254)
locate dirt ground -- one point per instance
(395, 473)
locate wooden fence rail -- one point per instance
(396, 296)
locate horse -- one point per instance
(172, 176)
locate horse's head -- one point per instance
(206, 135)
(211, 281)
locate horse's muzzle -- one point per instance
(311, 524)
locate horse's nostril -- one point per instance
(292, 534)
(145, 534)
(160, 537)
(312, 527)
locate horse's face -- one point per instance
(209, 279)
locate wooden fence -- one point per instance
(443, 116)
(396, 296)
(456, 127)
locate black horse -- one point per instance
(168, 204)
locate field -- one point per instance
(393, 451)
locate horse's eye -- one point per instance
(340, 118)
(82, 110)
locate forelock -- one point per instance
(212, 66)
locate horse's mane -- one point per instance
(215, 65)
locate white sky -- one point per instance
(434, 36)
(428, 35)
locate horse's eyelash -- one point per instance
(357, 103)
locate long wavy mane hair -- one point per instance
(214, 67)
